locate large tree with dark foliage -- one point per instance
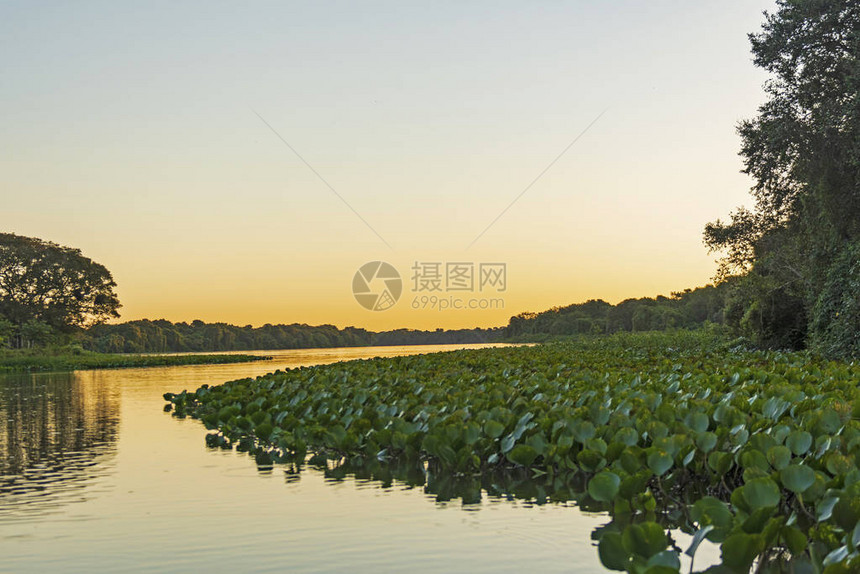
(45, 284)
(798, 250)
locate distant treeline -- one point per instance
(163, 336)
(684, 310)
(688, 309)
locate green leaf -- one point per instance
(755, 459)
(774, 407)
(799, 442)
(645, 539)
(698, 537)
(603, 487)
(659, 462)
(596, 444)
(627, 436)
(538, 443)
(756, 521)
(590, 460)
(761, 492)
(564, 442)
(583, 430)
(795, 539)
(720, 462)
(838, 464)
(612, 553)
(706, 441)
(829, 422)
(471, 433)
(523, 455)
(779, 456)
(630, 462)
(667, 558)
(846, 513)
(697, 422)
(855, 536)
(824, 509)
(447, 455)
(797, 477)
(493, 429)
(711, 511)
(739, 550)
(264, 430)
(836, 556)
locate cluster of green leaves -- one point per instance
(72, 357)
(754, 451)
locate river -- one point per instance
(96, 477)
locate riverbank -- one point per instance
(73, 359)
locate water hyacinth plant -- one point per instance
(756, 452)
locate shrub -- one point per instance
(835, 317)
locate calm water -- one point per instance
(95, 477)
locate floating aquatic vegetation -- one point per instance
(756, 452)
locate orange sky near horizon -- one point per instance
(419, 125)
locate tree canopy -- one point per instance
(797, 248)
(689, 309)
(43, 284)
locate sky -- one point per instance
(240, 162)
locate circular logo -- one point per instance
(377, 286)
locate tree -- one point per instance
(7, 330)
(803, 152)
(45, 283)
(35, 333)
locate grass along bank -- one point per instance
(754, 451)
(72, 358)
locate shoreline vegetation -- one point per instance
(73, 358)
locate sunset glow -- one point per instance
(139, 139)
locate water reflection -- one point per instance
(151, 484)
(468, 490)
(58, 433)
(510, 486)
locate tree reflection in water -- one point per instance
(58, 432)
